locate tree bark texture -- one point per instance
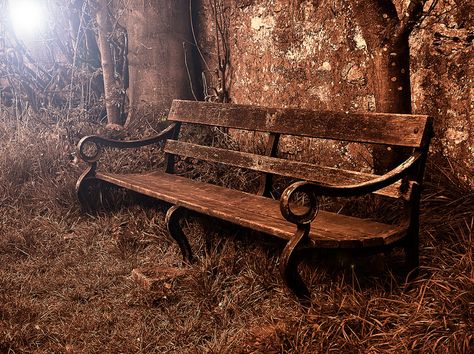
(159, 55)
(111, 91)
(387, 40)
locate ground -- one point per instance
(66, 284)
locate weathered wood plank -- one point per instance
(259, 213)
(282, 167)
(377, 128)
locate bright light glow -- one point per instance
(28, 16)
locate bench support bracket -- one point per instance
(173, 215)
(289, 263)
(411, 246)
(82, 188)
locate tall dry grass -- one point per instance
(65, 282)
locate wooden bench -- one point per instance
(302, 229)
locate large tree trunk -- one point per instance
(387, 41)
(391, 78)
(159, 55)
(111, 91)
(392, 91)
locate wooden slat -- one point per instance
(328, 230)
(377, 128)
(282, 167)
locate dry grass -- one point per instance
(65, 282)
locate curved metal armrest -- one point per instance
(315, 190)
(95, 143)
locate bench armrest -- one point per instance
(95, 143)
(314, 190)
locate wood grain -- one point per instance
(377, 128)
(328, 230)
(278, 166)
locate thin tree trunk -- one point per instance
(111, 91)
(391, 78)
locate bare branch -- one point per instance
(410, 18)
(193, 31)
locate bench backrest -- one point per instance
(412, 131)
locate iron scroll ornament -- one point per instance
(314, 190)
(90, 147)
(308, 216)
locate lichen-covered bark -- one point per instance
(317, 54)
(443, 81)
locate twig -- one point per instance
(410, 18)
(188, 72)
(194, 36)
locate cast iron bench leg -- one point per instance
(289, 264)
(411, 246)
(82, 189)
(172, 223)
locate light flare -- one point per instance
(28, 17)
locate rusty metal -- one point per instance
(266, 179)
(100, 142)
(96, 144)
(173, 215)
(82, 187)
(285, 207)
(318, 189)
(411, 241)
(289, 263)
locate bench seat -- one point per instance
(301, 229)
(328, 230)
